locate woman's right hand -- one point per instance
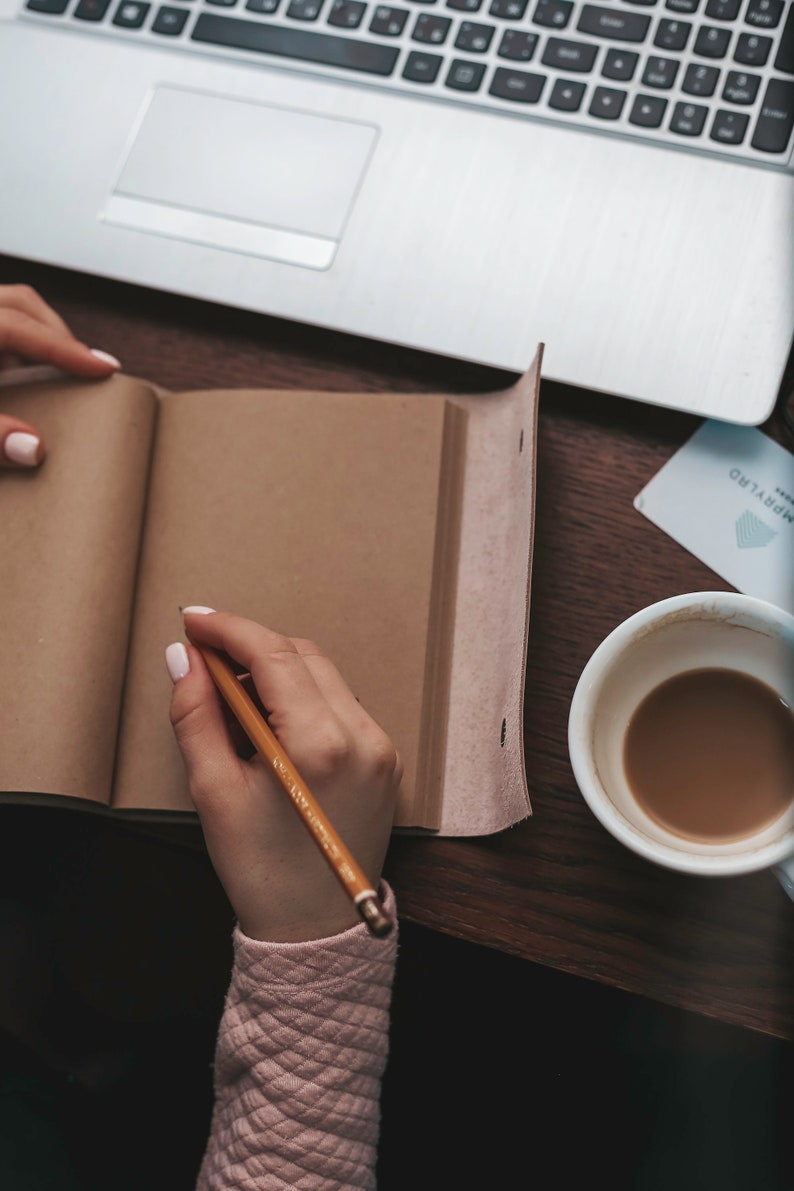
(281, 887)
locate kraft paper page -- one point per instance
(69, 537)
(312, 513)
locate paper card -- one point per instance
(727, 496)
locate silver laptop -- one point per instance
(468, 177)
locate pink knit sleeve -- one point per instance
(298, 1065)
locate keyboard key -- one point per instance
(554, 14)
(169, 21)
(464, 76)
(566, 95)
(752, 50)
(304, 10)
(518, 47)
(784, 59)
(131, 14)
(93, 10)
(688, 119)
(607, 103)
(473, 37)
(643, 3)
(262, 5)
(609, 22)
(773, 128)
(764, 14)
(347, 14)
(700, 80)
(620, 65)
(672, 35)
(682, 6)
(660, 72)
(303, 44)
(517, 85)
(729, 128)
(387, 21)
(723, 10)
(647, 111)
(741, 88)
(222, 3)
(508, 10)
(421, 68)
(430, 28)
(569, 55)
(51, 7)
(465, 5)
(711, 42)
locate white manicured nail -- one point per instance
(199, 608)
(177, 661)
(105, 357)
(21, 447)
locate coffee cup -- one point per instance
(720, 662)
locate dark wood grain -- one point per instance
(557, 889)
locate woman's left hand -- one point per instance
(32, 333)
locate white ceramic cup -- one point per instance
(686, 632)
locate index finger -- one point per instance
(27, 300)
(283, 681)
(44, 345)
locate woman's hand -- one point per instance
(32, 333)
(281, 887)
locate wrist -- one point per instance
(299, 926)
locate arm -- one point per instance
(302, 1044)
(300, 1057)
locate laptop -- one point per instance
(465, 177)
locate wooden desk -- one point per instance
(556, 890)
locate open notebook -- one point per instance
(393, 529)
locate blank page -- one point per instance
(315, 514)
(69, 539)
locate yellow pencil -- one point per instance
(266, 744)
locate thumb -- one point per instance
(200, 727)
(20, 442)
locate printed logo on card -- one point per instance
(752, 531)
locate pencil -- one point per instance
(342, 863)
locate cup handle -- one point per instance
(785, 874)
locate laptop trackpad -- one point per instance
(244, 176)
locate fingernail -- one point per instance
(177, 661)
(199, 608)
(21, 447)
(105, 357)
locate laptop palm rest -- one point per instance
(243, 176)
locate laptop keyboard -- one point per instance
(716, 76)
